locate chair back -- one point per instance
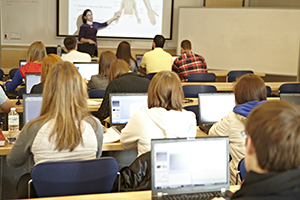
(195, 109)
(1, 74)
(74, 177)
(191, 91)
(241, 170)
(21, 91)
(150, 76)
(12, 73)
(232, 75)
(96, 94)
(290, 88)
(202, 77)
(269, 91)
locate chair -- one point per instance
(74, 177)
(1, 74)
(195, 109)
(191, 91)
(202, 77)
(21, 91)
(269, 91)
(96, 94)
(241, 170)
(150, 76)
(289, 88)
(12, 73)
(232, 75)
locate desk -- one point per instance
(138, 195)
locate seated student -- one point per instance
(249, 91)
(124, 52)
(165, 117)
(65, 129)
(48, 62)
(99, 81)
(272, 153)
(121, 80)
(35, 55)
(73, 55)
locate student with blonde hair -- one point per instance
(65, 129)
(164, 117)
(48, 62)
(35, 55)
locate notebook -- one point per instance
(185, 166)
(22, 62)
(31, 79)
(32, 104)
(87, 69)
(293, 98)
(123, 106)
(213, 107)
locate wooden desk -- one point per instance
(138, 195)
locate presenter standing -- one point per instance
(88, 30)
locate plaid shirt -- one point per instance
(189, 63)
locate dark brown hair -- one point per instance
(84, 14)
(117, 68)
(159, 41)
(124, 52)
(70, 42)
(249, 87)
(105, 60)
(274, 128)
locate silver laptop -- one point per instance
(190, 166)
(87, 69)
(123, 106)
(32, 104)
(31, 79)
(293, 98)
(213, 107)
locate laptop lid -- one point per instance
(214, 106)
(189, 165)
(139, 58)
(32, 104)
(22, 62)
(31, 79)
(124, 105)
(293, 98)
(87, 69)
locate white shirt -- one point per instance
(76, 56)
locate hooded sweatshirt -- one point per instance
(157, 123)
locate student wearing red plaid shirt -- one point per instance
(188, 62)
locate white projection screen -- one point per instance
(133, 23)
(264, 40)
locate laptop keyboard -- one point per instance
(202, 196)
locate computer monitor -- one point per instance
(31, 79)
(22, 62)
(139, 58)
(87, 69)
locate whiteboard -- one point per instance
(260, 39)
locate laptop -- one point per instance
(190, 166)
(213, 107)
(123, 106)
(22, 62)
(32, 104)
(139, 58)
(293, 98)
(87, 69)
(31, 79)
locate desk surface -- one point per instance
(138, 195)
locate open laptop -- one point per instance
(22, 62)
(190, 166)
(293, 98)
(139, 58)
(32, 104)
(87, 69)
(31, 79)
(123, 106)
(213, 107)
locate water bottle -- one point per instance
(13, 123)
(58, 50)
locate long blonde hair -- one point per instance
(117, 68)
(36, 52)
(64, 101)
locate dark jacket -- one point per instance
(270, 186)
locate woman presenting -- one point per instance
(88, 30)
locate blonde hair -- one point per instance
(165, 91)
(36, 52)
(64, 101)
(117, 68)
(48, 62)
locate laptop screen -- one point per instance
(124, 105)
(214, 106)
(293, 98)
(31, 79)
(87, 69)
(32, 104)
(22, 62)
(139, 58)
(189, 165)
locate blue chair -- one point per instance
(191, 91)
(202, 77)
(232, 75)
(12, 73)
(241, 170)
(195, 109)
(150, 76)
(289, 88)
(269, 91)
(21, 91)
(74, 177)
(96, 94)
